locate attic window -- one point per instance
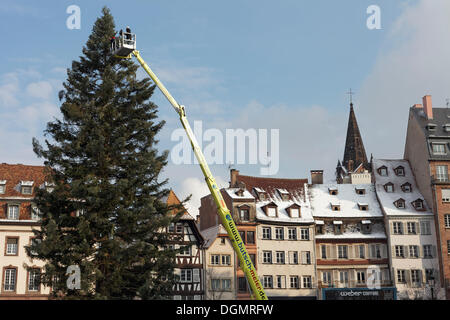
(382, 171)
(240, 192)
(363, 206)
(389, 187)
(438, 148)
(2, 186)
(431, 127)
(400, 203)
(406, 187)
(271, 210)
(26, 187)
(294, 211)
(400, 171)
(284, 194)
(446, 127)
(244, 213)
(360, 191)
(333, 191)
(418, 204)
(335, 207)
(366, 226)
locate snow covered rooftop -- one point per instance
(347, 199)
(387, 199)
(235, 194)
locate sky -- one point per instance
(248, 64)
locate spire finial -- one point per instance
(351, 93)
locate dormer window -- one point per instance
(13, 212)
(335, 206)
(262, 195)
(366, 226)
(26, 187)
(400, 171)
(271, 210)
(431, 127)
(2, 186)
(418, 204)
(382, 171)
(438, 148)
(294, 211)
(239, 192)
(400, 203)
(406, 187)
(49, 186)
(284, 194)
(360, 191)
(363, 206)
(333, 191)
(244, 213)
(337, 227)
(35, 213)
(389, 187)
(446, 127)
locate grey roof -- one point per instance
(441, 118)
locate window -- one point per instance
(337, 229)
(406, 187)
(362, 251)
(411, 227)
(222, 241)
(335, 207)
(326, 277)
(366, 227)
(304, 234)
(179, 228)
(242, 284)
(323, 249)
(425, 227)
(34, 280)
(293, 282)
(448, 246)
(268, 282)
(293, 257)
(427, 251)
(12, 246)
(34, 242)
(333, 191)
(280, 257)
(397, 227)
(363, 206)
(447, 220)
(442, 173)
(171, 227)
(250, 237)
(186, 275)
(382, 171)
(13, 212)
(375, 251)
(266, 233)
(242, 234)
(400, 171)
(361, 277)
(360, 191)
(399, 252)
(35, 214)
(415, 276)
(401, 276)
(272, 211)
(429, 274)
(226, 260)
(185, 251)
(244, 214)
(267, 256)
(279, 233)
(10, 279)
(307, 282)
(413, 251)
(306, 257)
(438, 149)
(292, 233)
(2, 188)
(281, 282)
(215, 284)
(215, 259)
(445, 195)
(400, 204)
(418, 204)
(389, 187)
(342, 252)
(27, 190)
(343, 277)
(319, 229)
(295, 212)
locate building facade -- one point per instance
(410, 229)
(427, 150)
(351, 242)
(189, 262)
(18, 217)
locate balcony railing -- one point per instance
(441, 179)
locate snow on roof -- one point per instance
(348, 200)
(387, 199)
(366, 222)
(211, 234)
(352, 235)
(320, 222)
(283, 191)
(337, 222)
(233, 195)
(258, 189)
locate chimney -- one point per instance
(427, 106)
(233, 176)
(418, 106)
(316, 176)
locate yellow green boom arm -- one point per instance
(224, 213)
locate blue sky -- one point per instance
(241, 64)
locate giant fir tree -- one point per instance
(105, 213)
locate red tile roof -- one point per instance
(15, 173)
(172, 199)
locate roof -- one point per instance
(387, 199)
(211, 234)
(232, 193)
(441, 118)
(274, 187)
(14, 174)
(172, 199)
(348, 200)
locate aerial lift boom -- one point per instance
(125, 47)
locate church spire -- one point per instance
(354, 153)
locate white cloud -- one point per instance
(416, 62)
(9, 90)
(40, 89)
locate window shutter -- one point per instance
(303, 257)
(418, 231)
(313, 282)
(408, 277)
(333, 254)
(406, 251)
(328, 251)
(372, 253)
(421, 252)
(350, 252)
(260, 232)
(384, 254)
(356, 251)
(260, 256)
(196, 275)
(433, 251)
(393, 252)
